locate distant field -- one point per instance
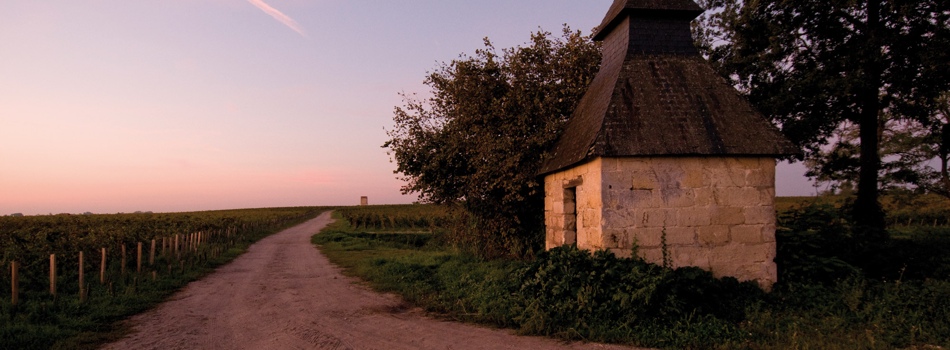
(786, 203)
(901, 209)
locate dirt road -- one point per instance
(284, 294)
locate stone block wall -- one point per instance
(714, 213)
(584, 182)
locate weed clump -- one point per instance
(573, 294)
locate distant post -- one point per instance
(52, 274)
(102, 268)
(151, 254)
(364, 201)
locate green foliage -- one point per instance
(905, 147)
(816, 66)
(812, 242)
(827, 297)
(41, 321)
(425, 274)
(816, 245)
(908, 209)
(914, 154)
(415, 217)
(574, 294)
(827, 49)
(478, 142)
(854, 313)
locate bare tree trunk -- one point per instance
(868, 214)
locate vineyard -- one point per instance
(414, 217)
(903, 210)
(72, 276)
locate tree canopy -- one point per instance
(479, 140)
(815, 66)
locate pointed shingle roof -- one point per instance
(656, 96)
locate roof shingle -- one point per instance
(656, 96)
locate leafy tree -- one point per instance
(813, 66)
(913, 155)
(904, 151)
(479, 140)
(938, 180)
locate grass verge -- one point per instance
(415, 266)
(575, 295)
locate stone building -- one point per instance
(663, 155)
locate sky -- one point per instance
(181, 105)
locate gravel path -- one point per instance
(284, 294)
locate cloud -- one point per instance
(279, 16)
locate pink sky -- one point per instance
(119, 106)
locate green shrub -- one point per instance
(813, 245)
(574, 294)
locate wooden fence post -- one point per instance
(138, 260)
(14, 283)
(102, 268)
(82, 280)
(52, 274)
(151, 254)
